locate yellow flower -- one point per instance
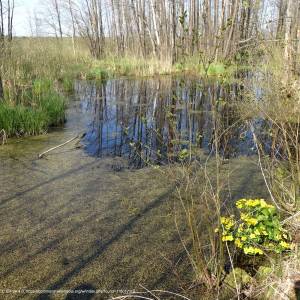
(244, 216)
(241, 228)
(228, 223)
(263, 203)
(252, 236)
(223, 220)
(241, 203)
(252, 203)
(238, 243)
(216, 230)
(226, 238)
(251, 221)
(256, 232)
(285, 245)
(258, 251)
(252, 250)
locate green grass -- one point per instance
(46, 110)
(20, 120)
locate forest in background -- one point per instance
(165, 29)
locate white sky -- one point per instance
(22, 12)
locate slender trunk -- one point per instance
(281, 14)
(2, 21)
(137, 24)
(287, 40)
(155, 26)
(232, 27)
(174, 31)
(101, 29)
(73, 27)
(8, 19)
(1, 89)
(57, 10)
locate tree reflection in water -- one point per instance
(152, 120)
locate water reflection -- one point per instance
(154, 119)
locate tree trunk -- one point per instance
(1, 89)
(287, 39)
(174, 32)
(73, 27)
(57, 10)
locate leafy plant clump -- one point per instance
(257, 230)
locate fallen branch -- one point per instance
(78, 136)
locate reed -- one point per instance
(35, 117)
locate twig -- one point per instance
(61, 145)
(155, 298)
(233, 272)
(291, 217)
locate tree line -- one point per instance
(171, 29)
(163, 28)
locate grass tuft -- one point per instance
(45, 111)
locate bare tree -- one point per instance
(58, 16)
(70, 8)
(10, 16)
(217, 28)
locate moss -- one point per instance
(263, 273)
(241, 277)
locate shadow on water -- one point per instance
(59, 177)
(153, 120)
(101, 248)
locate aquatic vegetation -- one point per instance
(183, 154)
(68, 85)
(216, 69)
(53, 105)
(96, 74)
(33, 118)
(258, 229)
(19, 120)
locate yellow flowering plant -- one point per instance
(258, 230)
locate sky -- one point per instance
(22, 12)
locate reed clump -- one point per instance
(33, 110)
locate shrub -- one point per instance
(258, 230)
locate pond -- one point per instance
(98, 215)
(153, 119)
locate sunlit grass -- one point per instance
(45, 111)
